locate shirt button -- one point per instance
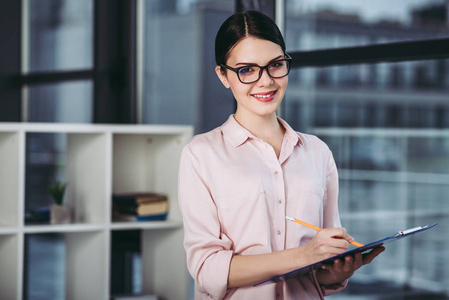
(280, 201)
(276, 172)
(279, 232)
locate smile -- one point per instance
(265, 96)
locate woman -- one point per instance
(238, 182)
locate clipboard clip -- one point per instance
(413, 230)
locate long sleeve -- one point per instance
(208, 251)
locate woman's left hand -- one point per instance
(342, 269)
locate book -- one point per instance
(152, 208)
(135, 297)
(140, 206)
(364, 249)
(142, 209)
(156, 217)
(134, 218)
(137, 198)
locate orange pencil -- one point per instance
(316, 228)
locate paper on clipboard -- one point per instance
(364, 249)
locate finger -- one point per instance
(333, 265)
(341, 244)
(349, 264)
(338, 233)
(341, 233)
(332, 233)
(358, 261)
(346, 235)
(368, 258)
(337, 265)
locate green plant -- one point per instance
(57, 190)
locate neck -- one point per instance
(266, 128)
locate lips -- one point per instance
(265, 97)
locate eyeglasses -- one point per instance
(252, 73)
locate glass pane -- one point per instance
(180, 83)
(428, 155)
(69, 102)
(430, 203)
(45, 270)
(319, 24)
(387, 125)
(60, 35)
(384, 95)
(375, 153)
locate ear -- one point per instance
(222, 76)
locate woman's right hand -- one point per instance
(326, 243)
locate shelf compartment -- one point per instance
(76, 158)
(86, 177)
(9, 178)
(9, 273)
(86, 265)
(147, 163)
(75, 269)
(164, 264)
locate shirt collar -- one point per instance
(236, 134)
(290, 134)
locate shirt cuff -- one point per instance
(215, 274)
(327, 290)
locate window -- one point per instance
(59, 35)
(368, 83)
(370, 78)
(324, 24)
(180, 84)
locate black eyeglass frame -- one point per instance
(287, 58)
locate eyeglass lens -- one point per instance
(252, 73)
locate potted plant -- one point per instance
(59, 212)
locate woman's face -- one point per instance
(263, 97)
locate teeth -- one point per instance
(263, 96)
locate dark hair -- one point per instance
(240, 25)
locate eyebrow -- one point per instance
(254, 64)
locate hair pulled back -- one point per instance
(241, 25)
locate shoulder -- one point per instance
(206, 140)
(313, 143)
(319, 152)
(308, 142)
(202, 144)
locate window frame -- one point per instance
(388, 52)
(113, 73)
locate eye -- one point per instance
(277, 64)
(246, 70)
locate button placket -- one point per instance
(279, 209)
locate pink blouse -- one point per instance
(234, 195)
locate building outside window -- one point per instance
(387, 124)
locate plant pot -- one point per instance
(59, 214)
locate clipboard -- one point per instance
(366, 248)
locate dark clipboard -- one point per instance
(364, 249)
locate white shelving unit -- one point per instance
(101, 160)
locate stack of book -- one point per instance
(140, 206)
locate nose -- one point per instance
(265, 79)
